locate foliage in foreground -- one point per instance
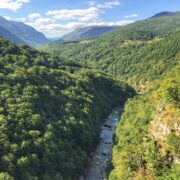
(148, 138)
(49, 118)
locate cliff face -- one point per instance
(148, 136)
(165, 125)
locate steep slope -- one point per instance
(145, 54)
(148, 135)
(50, 113)
(24, 32)
(88, 32)
(11, 37)
(137, 53)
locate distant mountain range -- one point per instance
(6, 34)
(88, 32)
(109, 48)
(21, 33)
(165, 13)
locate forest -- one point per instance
(138, 53)
(52, 105)
(51, 110)
(146, 55)
(147, 138)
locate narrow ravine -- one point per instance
(102, 156)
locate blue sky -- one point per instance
(57, 17)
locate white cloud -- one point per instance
(37, 18)
(91, 3)
(109, 4)
(131, 16)
(51, 26)
(7, 17)
(66, 14)
(106, 5)
(34, 16)
(118, 23)
(55, 29)
(44, 20)
(89, 17)
(13, 5)
(59, 22)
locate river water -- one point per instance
(103, 154)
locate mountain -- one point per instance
(147, 136)
(51, 110)
(88, 32)
(53, 105)
(125, 52)
(165, 13)
(11, 37)
(146, 55)
(53, 38)
(26, 33)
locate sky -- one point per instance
(55, 18)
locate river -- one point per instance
(103, 154)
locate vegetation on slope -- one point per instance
(137, 53)
(51, 109)
(50, 113)
(145, 54)
(148, 136)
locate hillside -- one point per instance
(137, 53)
(146, 55)
(11, 37)
(88, 32)
(51, 111)
(24, 32)
(148, 136)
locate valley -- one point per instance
(144, 55)
(101, 158)
(101, 102)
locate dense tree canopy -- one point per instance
(145, 54)
(51, 108)
(148, 136)
(137, 53)
(50, 113)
